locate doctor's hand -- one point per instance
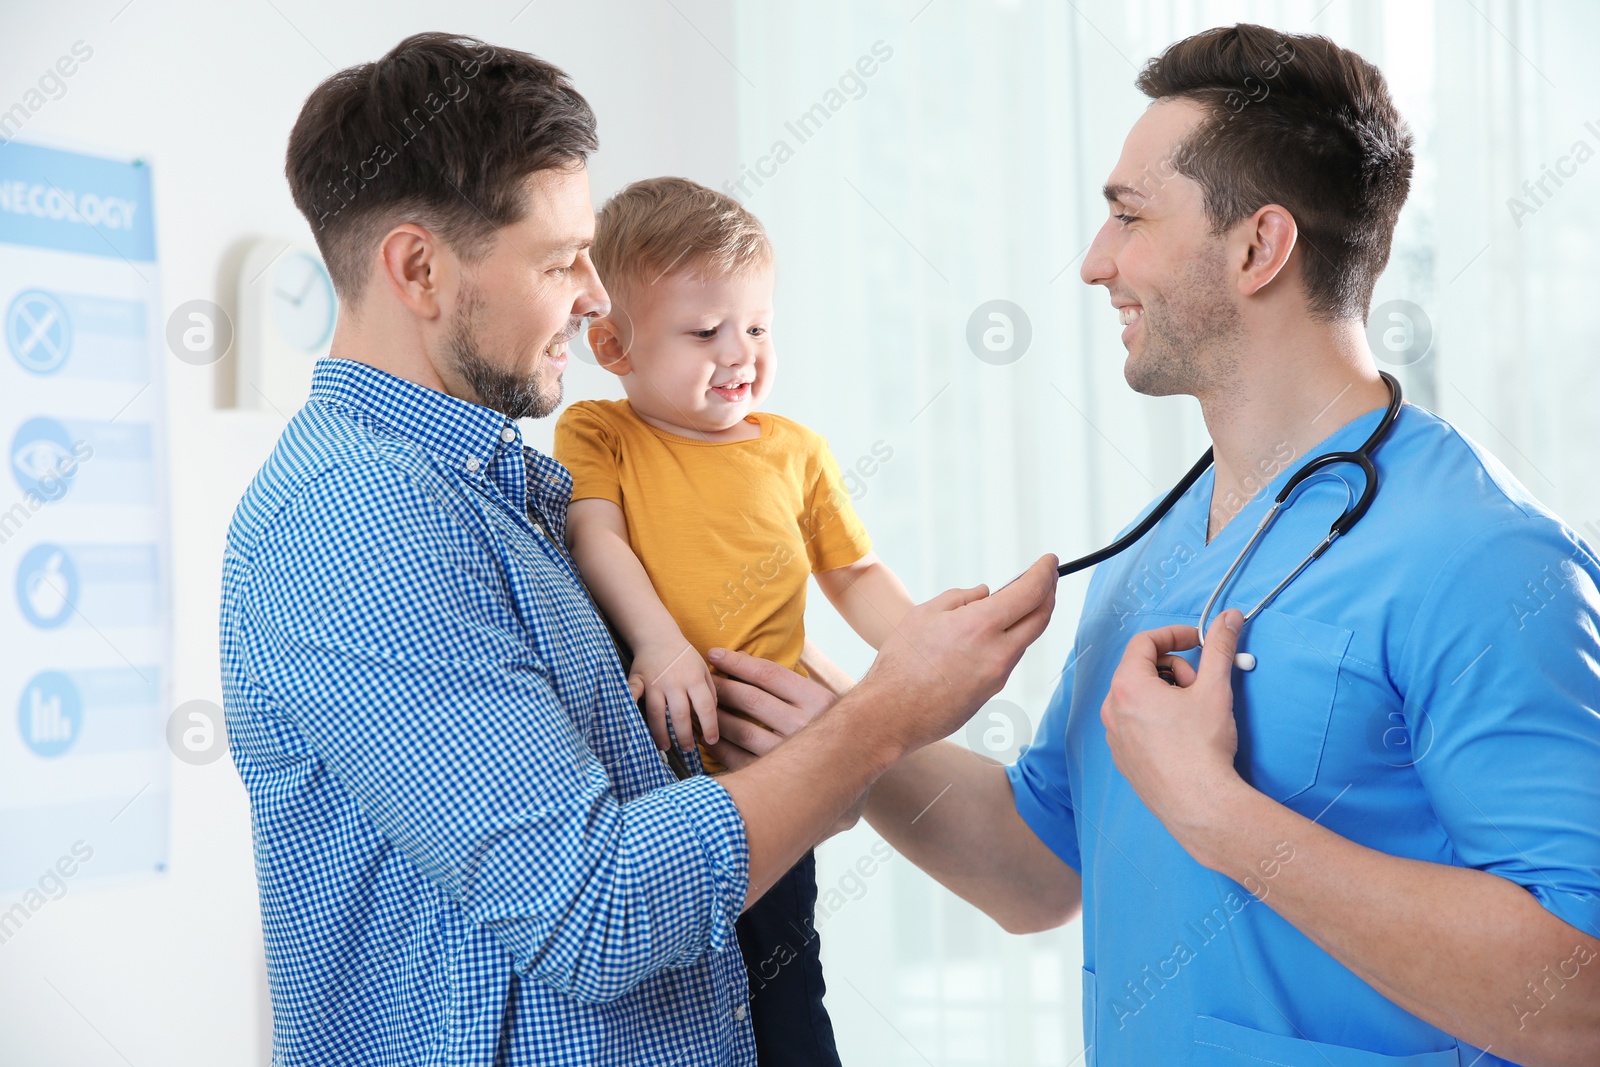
(943, 660)
(947, 656)
(1176, 743)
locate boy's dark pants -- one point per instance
(782, 957)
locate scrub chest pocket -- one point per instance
(1283, 707)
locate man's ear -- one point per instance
(1269, 236)
(410, 264)
(605, 341)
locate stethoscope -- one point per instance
(1361, 457)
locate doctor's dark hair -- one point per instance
(441, 132)
(1298, 121)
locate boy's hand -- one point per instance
(675, 681)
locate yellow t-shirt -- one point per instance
(728, 531)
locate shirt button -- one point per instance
(740, 1012)
(508, 435)
(473, 463)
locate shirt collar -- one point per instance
(469, 438)
(550, 485)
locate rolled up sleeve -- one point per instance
(1501, 676)
(1041, 787)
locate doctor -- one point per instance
(1381, 845)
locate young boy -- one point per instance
(696, 519)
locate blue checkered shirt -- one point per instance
(469, 851)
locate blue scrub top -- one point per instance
(1427, 688)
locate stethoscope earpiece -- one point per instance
(1244, 661)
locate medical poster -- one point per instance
(85, 663)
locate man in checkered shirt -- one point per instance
(469, 849)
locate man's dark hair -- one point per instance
(1298, 121)
(442, 132)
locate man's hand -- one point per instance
(947, 657)
(777, 696)
(761, 689)
(1175, 743)
(674, 681)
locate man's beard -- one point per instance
(1191, 338)
(512, 395)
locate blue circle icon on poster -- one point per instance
(38, 332)
(47, 586)
(42, 458)
(50, 715)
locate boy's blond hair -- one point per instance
(663, 226)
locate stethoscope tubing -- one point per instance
(1346, 521)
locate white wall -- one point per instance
(169, 970)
